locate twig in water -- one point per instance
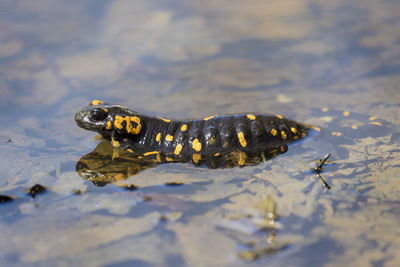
(327, 186)
(318, 169)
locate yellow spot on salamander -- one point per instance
(303, 134)
(114, 142)
(169, 159)
(169, 138)
(283, 135)
(178, 149)
(129, 128)
(217, 154)
(164, 119)
(376, 123)
(294, 130)
(295, 137)
(184, 127)
(150, 153)
(158, 157)
(118, 121)
(346, 113)
(242, 158)
(242, 140)
(139, 157)
(336, 133)
(325, 109)
(283, 148)
(196, 145)
(158, 137)
(274, 132)
(96, 102)
(316, 128)
(196, 157)
(279, 116)
(355, 127)
(130, 150)
(210, 117)
(251, 117)
(109, 125)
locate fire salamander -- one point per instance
(212, 139)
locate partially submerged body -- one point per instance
(231, 138)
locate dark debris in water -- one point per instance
(318, 168)
(37, 189)
(77, 191)
(147, 198)
(5, 199)
(174, 184)
(163, 218)
(130, 187)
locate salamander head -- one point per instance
(105, 118)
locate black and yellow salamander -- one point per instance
(211, 139)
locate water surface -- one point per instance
(334, 65)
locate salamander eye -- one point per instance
(98, 114)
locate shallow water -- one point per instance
(334, 65)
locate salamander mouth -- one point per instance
(79, 117)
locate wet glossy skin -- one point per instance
(211, 138)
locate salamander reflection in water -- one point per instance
(101, 166)
(218, 140)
